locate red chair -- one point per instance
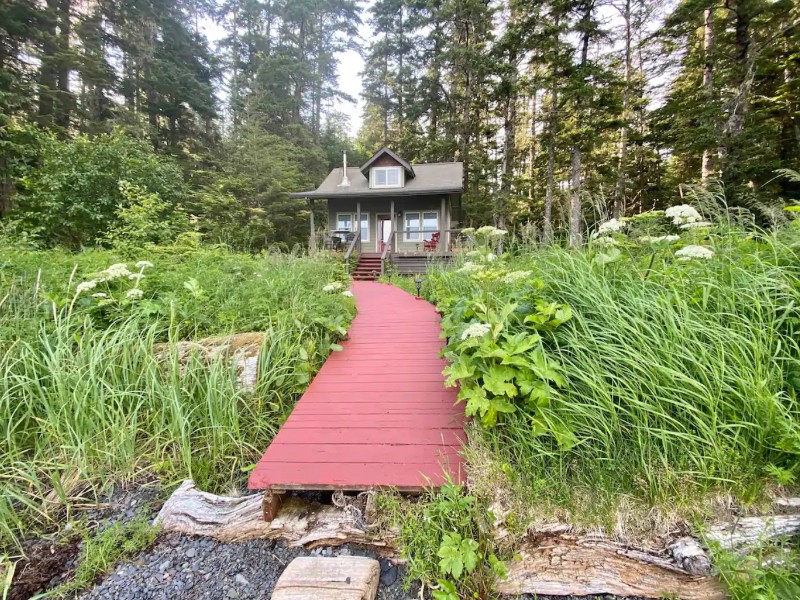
(430, 245)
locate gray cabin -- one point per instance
(408, 213)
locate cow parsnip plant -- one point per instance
(499, 360)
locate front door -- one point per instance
(384, 231)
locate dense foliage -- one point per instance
(86, 400)
(563, 111)
(664, 359)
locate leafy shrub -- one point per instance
(442, 537)
(145, 219)
(72, 196)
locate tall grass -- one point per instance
(678, 377)
(86, 402)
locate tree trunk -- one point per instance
(552, 124)
(708, 81)
(744, 72)
(532, 151)
(299, 83)
(575, 233)
(48, 68)
(64, 103)
(575, 237)
(619, 192)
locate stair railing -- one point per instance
(387, 251)
(355, 241)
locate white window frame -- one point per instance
(400, 177)
(420, 233)
(364, 215)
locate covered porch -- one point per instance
(399, 233)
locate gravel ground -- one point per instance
(179, 566)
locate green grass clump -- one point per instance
(85, 401)
(99, 553)
(769, 573)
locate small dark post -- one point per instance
(418, 283)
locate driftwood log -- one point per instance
(242, 349)
(569, 565)
(749, 532)
(299, 523)
(553, 562)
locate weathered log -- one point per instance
(690, 556)
(749, 532)
(299, 523)
(788, 503)
(242, 349)
(569, 565)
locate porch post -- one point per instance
(444, 235)
(358, 216)
(312, 240)
(394, 225)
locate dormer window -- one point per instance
(386, 177)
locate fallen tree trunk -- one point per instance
(228, 519)
(572, 566)
(749, 532)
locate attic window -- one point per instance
(386, 177)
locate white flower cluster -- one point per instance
(347, 294)
(612, 226)
(646, 239)
(682, 214)
(100, 295)
(143, 264)
(85, 286)
(114, 272)
(491, 231)
(690, 252)
(475, 330)
(696, 225)
(134, 294)
(470, 267)
(468, 230)
(515, 276)
(332, 287)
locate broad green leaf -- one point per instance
(497, 381)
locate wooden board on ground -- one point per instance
(340, 578)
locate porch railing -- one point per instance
(424, 240)
(355, 245)
(387, 251)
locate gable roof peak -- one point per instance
(388, 152)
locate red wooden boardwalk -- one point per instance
(377, 414)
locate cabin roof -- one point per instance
(430, 178)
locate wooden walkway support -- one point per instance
(377, 415)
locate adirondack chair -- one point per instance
(430, 245)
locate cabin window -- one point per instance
(385, 177)
(421, 225)
(346, 222)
